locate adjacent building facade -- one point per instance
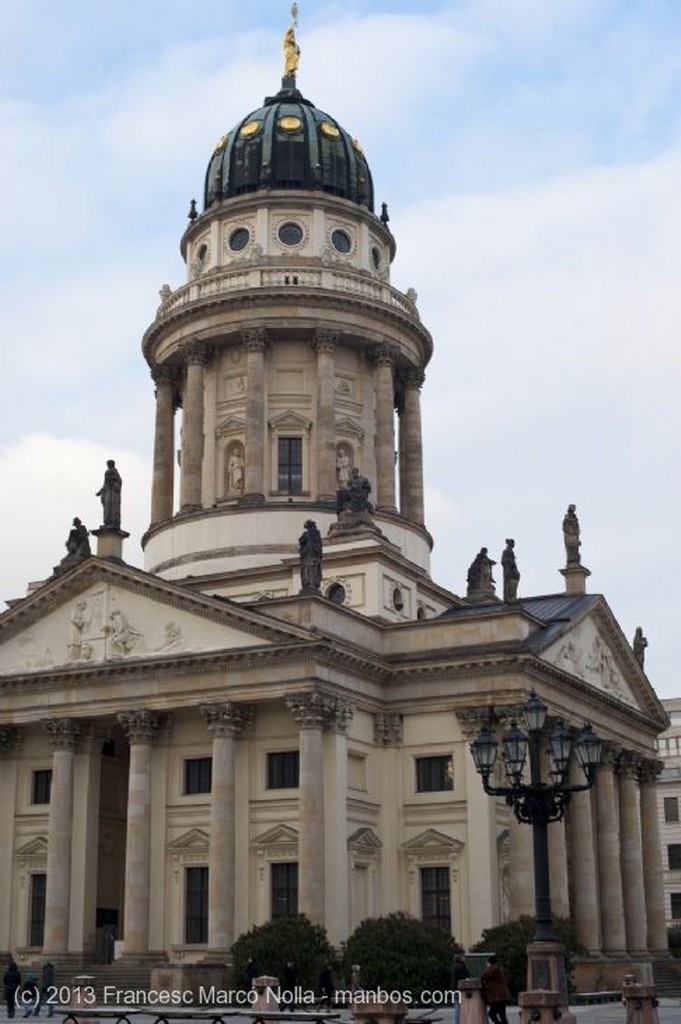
(669, 750)
(193, 748)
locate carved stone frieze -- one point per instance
(388, 729)
(228, 718)
(143, 726)
(66, 733)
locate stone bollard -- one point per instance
(542, 1006)
(82, 996)
(266, 993)
(472, 1006)
(381, 1013)
(640, 1001)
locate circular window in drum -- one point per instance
(336, 593)
(239, 239)
(341, 241)
(290, 233)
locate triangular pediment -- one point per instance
(35, 848)
(290, 420)
(364, 839)
(232, 425)
(195, 840)
(594, 650)
(278, 835)
(347, 427)
(431, 840)
(103, 615)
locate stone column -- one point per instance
(337, 894)
(558, 871)
(411, 447)
(652, 858)
(64, 736)
(192, 427)
(311, 712)
(164, 445)
(521, 877)
(224, 722)
(389, 738)
(385, 428)
(609, 870)
(632, 855)
(325, 344)
(254, 346)
(9, 740)
(583, 871)
(142, 728)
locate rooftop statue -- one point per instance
(639, 646)
(480, 580)
(310, 547)
(511, 573)
(571, 536)
(77, 543)
(291, 48)
(110, 494)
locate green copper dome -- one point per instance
(288, 144)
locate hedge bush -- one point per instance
(284, 938)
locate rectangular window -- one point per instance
(198, 774)
(435, 900)
(282, 769)
(290, 465)
(42, 786)
(674, 856)
(196, 905)
(676, 906)
(434, 774)
(671, 808)
(36, 920)
(284, 879)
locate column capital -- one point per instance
(628, 764)
(384, 354)
(66, 733)
(649, 769)
(388, 729)
(610, 755)
(143, 726)
(313, 710)
(342, 715)
(9, 739)
(228, 718)
(195, 353)
(325, 341)
(255, 340)
(163, 374)
(413, 377)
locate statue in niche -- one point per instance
(571, 536)
(511, 573)
(479, 578)
(354, 497)
(343, 466)
(310, 547)
(235, 470)
(110, 496)
(639, 646)
(77, 543)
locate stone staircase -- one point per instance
(667, 977)
(125, 977)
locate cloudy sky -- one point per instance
(530, 154)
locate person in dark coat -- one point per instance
(251, 971)
(12, 981)
(29, 995)
(47, 988)
(289, 981)
(327, 989)
(495, 991)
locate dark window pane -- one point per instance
(671, 808)
(196, 905)
(284, 879)
(36, 926)
(42, 786)
(435, 902)
(676, 906)
(290, 465)
(282, 769)
(674, 855)
(434, 774)
(198, 774)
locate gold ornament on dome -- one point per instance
(328, 129)
(290, 124)
(356, 145)
(221, 143)
(250, 129)
(291, 48)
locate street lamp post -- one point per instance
(536, 802)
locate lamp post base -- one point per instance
(546, 969)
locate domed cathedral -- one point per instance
(294, 361)
(275, 715)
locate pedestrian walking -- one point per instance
(12, 982)
(495, 991)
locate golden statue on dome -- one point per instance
(291, 48)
